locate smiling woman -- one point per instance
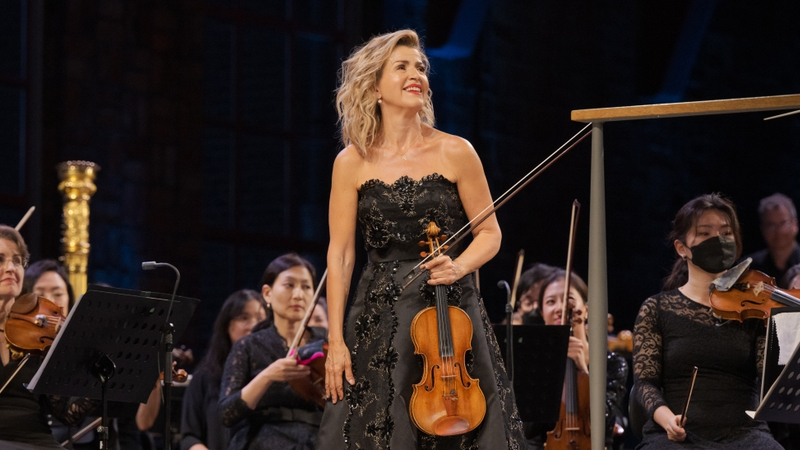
(396, 174)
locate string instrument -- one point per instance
(572, 429)
(752, 296)
(32, 325)
(622, 342)
(313, 355)
(447, 401)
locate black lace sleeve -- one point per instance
(235, 376)
(647, 357)
(761, 342)
(69, 410)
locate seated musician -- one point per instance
(552, 295)
(201, 424)
(675, 331)
(23, 424)
(264, 411)
(528, 291)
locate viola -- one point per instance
(32, 325)
(572, 431)
(752, 296)
(447, 401)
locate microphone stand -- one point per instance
(502, 284)
(168, 331)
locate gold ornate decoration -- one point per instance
(77, 186)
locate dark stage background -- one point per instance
(214, 125)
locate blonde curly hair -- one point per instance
(359, 115)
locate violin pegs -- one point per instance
(422, 243)
(423, 254)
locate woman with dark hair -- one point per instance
(255, 398)
(48, 279)
(201, 424)
(676, 331)
(23, 425)
(552, 297)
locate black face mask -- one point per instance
(714, 255)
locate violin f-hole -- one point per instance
(433, 378)
(465, 383)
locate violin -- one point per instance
(313, 355)
(32, 325)
(447, 401)
(572, 429)
(752, 296)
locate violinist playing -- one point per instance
(396, 175)
(23, 425)
(255, 400)
(675, 331)
(552, 295)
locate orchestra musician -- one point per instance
(529, 291)
(201, 424)
(779, 228)
(23, 424)
(675, 331)
(552, 295)
(397, 174)
(255, 400)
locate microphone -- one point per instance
(167, 331)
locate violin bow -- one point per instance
(307, 317)
(517, 274)
(459, 235)
(576, 209)
(688, 397)
(25, 218)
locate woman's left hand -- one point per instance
(443, 270)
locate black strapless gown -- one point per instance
(375, 413)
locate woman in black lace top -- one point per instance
(676, 331)
(397, 174)
(263, 411)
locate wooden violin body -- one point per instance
(312, 388)
(752, 297)
(572, 431)
(32, 325)
(447, 401)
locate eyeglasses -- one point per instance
(769, 226)
(17, 261)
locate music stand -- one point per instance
(540, 354)
(782, 401)
(108, 347)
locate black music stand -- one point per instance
(540, 360)
(782, 402)
(109, 346)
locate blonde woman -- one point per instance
(396, 174)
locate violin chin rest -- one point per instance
(450, 426)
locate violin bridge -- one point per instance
(758, 288)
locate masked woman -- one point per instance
(675, 331)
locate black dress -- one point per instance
(200, 419)
(282, 418)
(374, 414)
(23, 415)
(672, 334)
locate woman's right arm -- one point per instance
(647, 370)
(341, 258)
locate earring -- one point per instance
(269, 305)
(379, 101)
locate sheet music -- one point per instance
(787, 328)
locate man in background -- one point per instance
(779, 229)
